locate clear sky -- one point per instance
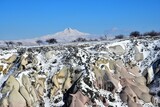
(21, 19)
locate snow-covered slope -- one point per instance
(67, 35)
(106, 74)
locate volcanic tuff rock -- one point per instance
(109, 73)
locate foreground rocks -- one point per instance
(80, 75)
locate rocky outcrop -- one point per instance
(85, 74)
(11, 59)
(10, 84)
(117, 49)
(26, 96)
(14, 98)
(138, 55)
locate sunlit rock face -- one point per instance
(106, 74)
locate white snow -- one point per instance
(51, 68)
(67, 35)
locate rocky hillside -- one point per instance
(104, 74)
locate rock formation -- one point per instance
(102, 74)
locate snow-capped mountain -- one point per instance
(67, 35)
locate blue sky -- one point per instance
(21, 19)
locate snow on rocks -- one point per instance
(101, 74)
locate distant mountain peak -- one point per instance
(68, 34)
(69, 30)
